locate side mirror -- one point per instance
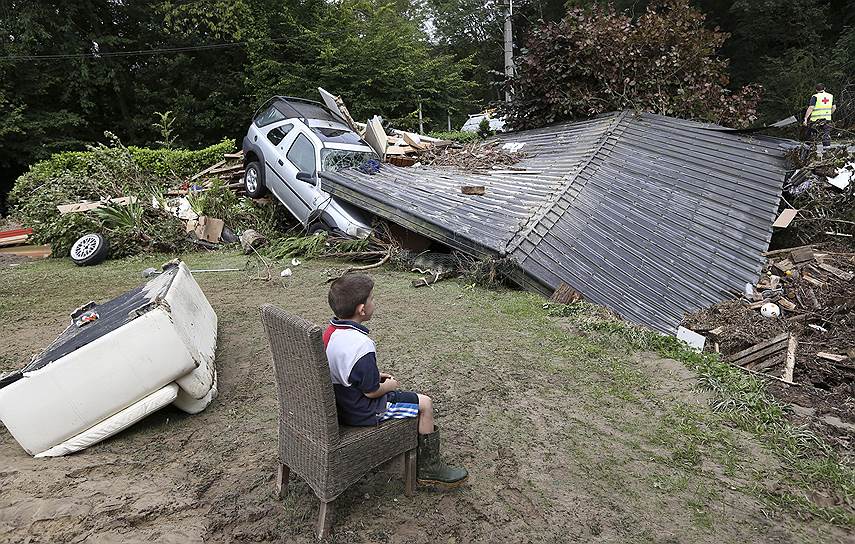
(306, 177)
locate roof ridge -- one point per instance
(567, 181)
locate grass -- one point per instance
(742, 400)
(549, 405)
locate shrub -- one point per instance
(104, 172)
(598, 60)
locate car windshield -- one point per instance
(339, 159)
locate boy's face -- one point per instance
(366, 310)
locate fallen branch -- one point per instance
(378, 264)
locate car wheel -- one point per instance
(89, 249)
(253, 180)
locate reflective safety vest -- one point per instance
(822, 109)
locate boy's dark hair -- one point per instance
(348, 292)
(820, 87)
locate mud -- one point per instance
(565, 441)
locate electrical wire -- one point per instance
(159, 51)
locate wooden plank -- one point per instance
(14, 240)
(87, 206)
(784, 266)
(233, 156)
(759, 346)
(376, 137)
(813, 281)
(34, 252)
(842, 274)
(399, 150)
(791, 359)
(206, 170)
(781, 251)
(837, 358)
(769, 376)
(786, 304)
(14, 233)
(783, 221)
(415, 141)
(473, 189)
(801, 255)
(759, 356)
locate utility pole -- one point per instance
(449, 120)
(509, 46)
(421, 124)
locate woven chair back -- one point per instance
(306, 398)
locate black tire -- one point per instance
(253, 180)
(89, 249)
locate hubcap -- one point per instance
(85, 247)
(251, 180)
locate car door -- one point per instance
(300, 155)
(274, 146)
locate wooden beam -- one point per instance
(740, 356)
(791, 359)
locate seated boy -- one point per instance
(366, 396)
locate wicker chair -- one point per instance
(327, 456)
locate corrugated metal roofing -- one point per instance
(650, 216)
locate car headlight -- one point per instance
(358, 232)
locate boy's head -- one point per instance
(350, 297)
(820, 87)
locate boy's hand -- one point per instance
(391, 384)
(384, 377)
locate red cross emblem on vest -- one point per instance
(825, 100)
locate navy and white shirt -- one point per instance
(353, 369)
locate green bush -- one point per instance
(455, 136)
(104, 172)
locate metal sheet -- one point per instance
(650, 216)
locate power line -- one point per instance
(160, 51)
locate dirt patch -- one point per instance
(565, 439)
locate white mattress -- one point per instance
(115, 423)
(191, 405)
(174, 341)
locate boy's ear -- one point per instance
(360, 309)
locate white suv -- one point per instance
(289, 141)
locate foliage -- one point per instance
(598, 60)
(297, 246)
(164, 127)
(100, 173)
(238, 213)
(484, 128)
(455, 136)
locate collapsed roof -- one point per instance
(650, 216)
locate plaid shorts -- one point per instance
(401, 405)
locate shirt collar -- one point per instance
(344, 323)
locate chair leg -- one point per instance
(325, 520)
(410, 472)
(282, 474)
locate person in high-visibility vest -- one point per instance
(818, 114)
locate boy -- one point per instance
(366, 396)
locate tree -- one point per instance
(598, 60)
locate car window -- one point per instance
(270, 115)
(277, 134)
(333, 160)
(302, 154)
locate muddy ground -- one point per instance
(566, 440)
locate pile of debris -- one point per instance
(478, 157)
(819, 197)
(230, 170)
(796, 327)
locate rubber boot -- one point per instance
(431, 469)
